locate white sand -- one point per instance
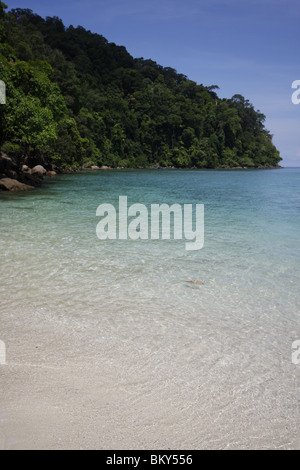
(66, 387)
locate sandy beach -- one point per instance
(142, 345)
(73, 389)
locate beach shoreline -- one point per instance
(66, 387)
(15, 176)
(140, 345)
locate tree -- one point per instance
(77, 98)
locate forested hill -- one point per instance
(77, 99)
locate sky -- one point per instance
(249, 47)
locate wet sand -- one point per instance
(70, 388)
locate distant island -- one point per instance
(75, 100)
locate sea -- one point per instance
(218, 327)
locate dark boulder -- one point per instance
(7, 164)
(32, 180)
(37, 160)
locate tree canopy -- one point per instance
(77, 99)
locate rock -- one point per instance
(105, 168)
(37, 160)
(7, 164)
(94, 167)
(8, 184)
(196, 283)
(51, 173)
(153, 167)
(25, 169)
(38, 169)
(11, 174)
(31, 180)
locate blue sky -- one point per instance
(249, 47)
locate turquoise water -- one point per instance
(239, 325)
(251, 236)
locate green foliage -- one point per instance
(11, 149)
(80, 100)
(69, 146)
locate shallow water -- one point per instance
(228, 342)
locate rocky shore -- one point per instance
(26, 176)
(18, 176)
(15, 176)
